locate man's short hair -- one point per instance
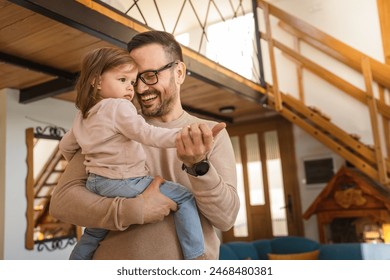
(165, 39)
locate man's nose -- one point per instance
(141, 86)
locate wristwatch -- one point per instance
(198, 169)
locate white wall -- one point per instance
(342, 20)
(306, 147)
(3, 113)
(59, 113)
(354, 22)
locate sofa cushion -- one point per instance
(293, 245)
(341, 251)
(243, 250)
(226, 253)
(259, 249)
(313, 255)
(263, 247)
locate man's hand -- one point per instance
(193, 142)
(156, 205)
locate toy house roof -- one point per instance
(350, 189)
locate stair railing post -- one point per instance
(372, 106)
(385, 120)
(275, 86)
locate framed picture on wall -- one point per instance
(318, 170)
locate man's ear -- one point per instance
(181, 71)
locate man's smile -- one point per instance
(148, 98)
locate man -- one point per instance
(142, 227)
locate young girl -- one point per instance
(109, 131)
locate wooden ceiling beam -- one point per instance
(44, 90)
(64, 80)
(208, 114)
(37, 67)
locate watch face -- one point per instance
(202, 168)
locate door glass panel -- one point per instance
(276, 185)
(255, 175)
(240, 228)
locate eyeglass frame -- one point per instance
(165, 67)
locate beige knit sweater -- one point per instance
(108, 139)
(215, 194)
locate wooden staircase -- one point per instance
(44, 186)
(371, 160)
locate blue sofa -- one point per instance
(259, 249)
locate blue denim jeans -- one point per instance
(188, 227)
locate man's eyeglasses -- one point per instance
(150, 77)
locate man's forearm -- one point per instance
(216, 192)
(71, 202)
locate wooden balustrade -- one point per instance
(371, 160)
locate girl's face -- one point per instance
(118, 82)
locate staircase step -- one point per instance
(370, 146)
(43, 196)
(318, 111)
(355, 136)
(58, 171)
(50, 184)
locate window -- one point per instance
(230, 43)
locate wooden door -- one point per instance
(267, 181)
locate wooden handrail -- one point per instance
(370, 160)
(328, 44)
(342, 137)
(336, 147)
(328, 76)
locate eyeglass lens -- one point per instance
(151, 77)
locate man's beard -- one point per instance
(161, 109)
(165, 105)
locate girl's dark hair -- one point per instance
(94, 64)
(171, 47)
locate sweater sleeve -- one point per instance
(73, 203)
(216, 191)
(68, 145)
(134, 127)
